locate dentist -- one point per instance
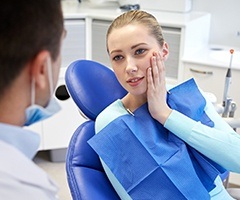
(31, 33)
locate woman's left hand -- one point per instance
(156, 91)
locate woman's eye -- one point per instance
(116, 58)
(140, 51)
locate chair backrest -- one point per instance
(93, 87)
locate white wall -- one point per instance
(225, 20)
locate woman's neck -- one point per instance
(132, 102)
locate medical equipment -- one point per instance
(226, 100)
(229, 106)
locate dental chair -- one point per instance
(85, 175)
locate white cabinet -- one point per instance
(99, 50)
(212, 79)
(173, 37)
(74, 45)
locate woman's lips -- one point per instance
(134, 81)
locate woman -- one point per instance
(137, 51)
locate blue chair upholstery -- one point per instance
(92, 87)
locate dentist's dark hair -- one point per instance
(26, 28)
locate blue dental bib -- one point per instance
(151, 162)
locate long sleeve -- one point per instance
(220, 143)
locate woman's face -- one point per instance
(130, 49)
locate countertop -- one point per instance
(215, 56)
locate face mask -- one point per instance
(36, 113)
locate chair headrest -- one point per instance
(92, 86)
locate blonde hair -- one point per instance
(138, 17)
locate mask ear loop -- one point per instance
(50, 75)
(33, 91)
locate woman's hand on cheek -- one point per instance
(156, 89)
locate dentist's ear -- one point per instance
(39, 69)
(165, 51)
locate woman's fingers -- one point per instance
(158, 69)
(155, 70)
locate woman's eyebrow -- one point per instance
(134, 46)
(116, 51)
